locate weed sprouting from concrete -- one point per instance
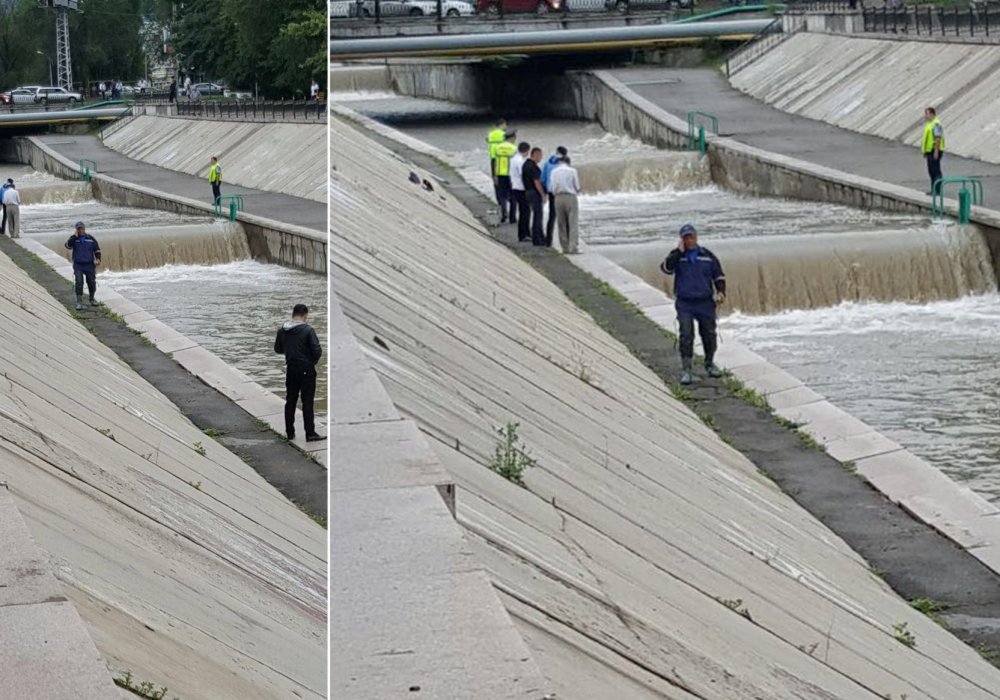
(195, 485)
(809, 441)
(787, 424)
(199, 448)
(613, 294)
(875, 570)
(736, 605)
(680, 393)
(740, 390)
(145, 689)
(903, 635)
(109, 314)
(213, 433)
(929, 607)
(106, 432)
(511, 460)
(850, 467)
(809, 648)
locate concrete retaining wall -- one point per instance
(881, 86)
(188, 569)
(637, 520)
(270, 241)
(286, 158)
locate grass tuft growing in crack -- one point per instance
(511, 460)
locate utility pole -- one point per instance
(64, 67)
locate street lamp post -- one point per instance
(42, 53)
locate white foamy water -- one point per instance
(925, 375)
(233, 310)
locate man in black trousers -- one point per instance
(298, 342)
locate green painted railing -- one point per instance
(696, 129)
(235, 206)
(86, 168)
(969, 194)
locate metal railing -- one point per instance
(247, 110)
(977, 19)
(831, 6)
(755, 47)
(417, 11)
(696, 129)
(118, 124)
(235, 206)
(87, 167)
(970, 193)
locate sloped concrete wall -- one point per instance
(286, 158)
(881, 87)
(187, 568)
(638, 525)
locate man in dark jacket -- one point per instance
(297, 340)
(699, 284)
(551, 163)
(86, 258)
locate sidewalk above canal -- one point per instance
(279, 207)
(744, 119)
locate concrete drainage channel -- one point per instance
(298, 477)
(918, 562)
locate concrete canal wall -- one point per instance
(639, 539)
(188, 570)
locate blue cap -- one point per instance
(688, 230)
(79, 224)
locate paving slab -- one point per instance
(854, 447)
(387, 454)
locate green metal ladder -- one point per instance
(236, 205)
(86, 168)
(969, 194)
(696, 129)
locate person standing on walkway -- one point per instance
(505, 151)
(493, 139)
(215, 179)
(314, 91)
(12, 209)
(297, 341)
(565, 183)
(699, 285)
(551, 163)
(187, 86)
(102, 89)
(86, 258)
(3, 222)
(534, 195)
(173, 91)
(932, 145)
(520, 214)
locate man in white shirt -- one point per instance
(12, 203)
(314, 90)
(564, 183)
(517, 186)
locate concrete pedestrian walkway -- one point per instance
(280, 207)
(744, 119)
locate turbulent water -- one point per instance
(891, 317)
(224, 301)
(234, 310)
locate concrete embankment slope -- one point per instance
(286, 158)
(645, 558)
(881, 87)
(187, 568)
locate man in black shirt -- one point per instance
(297, 341)
(534, 193)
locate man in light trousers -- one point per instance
(564, 183)
(12, 206)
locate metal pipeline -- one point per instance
(61, 116)
(542, 41)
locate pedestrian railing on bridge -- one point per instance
(235, 206)
(970, 193)
(755, 47)
(977, 19)
(87, 168)
(696, 129)
(251, 110)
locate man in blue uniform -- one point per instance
(86, 258)
(699, 285)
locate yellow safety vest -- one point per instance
(494, 139)
(504, 152)
(215, 175)
(927, 146)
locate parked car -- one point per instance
(19, 95)
(45, 95)
(625, 5)
(417, 8)
(541, 7)
(208, 88)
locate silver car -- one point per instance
(45, 95)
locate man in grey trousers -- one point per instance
(564, 183)
(12, 207)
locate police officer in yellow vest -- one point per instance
(932, 145)
(215, 179)
(494, 139)
(505, 150)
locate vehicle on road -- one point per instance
(45, 95)
(416, 8)
(540, 7)
(209, 88)
(19, 95)
(625, 5)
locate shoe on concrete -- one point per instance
(79, 303)
(686, 377)
(713, 371)
(93, 301)
(290, 436)
(315, 437)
